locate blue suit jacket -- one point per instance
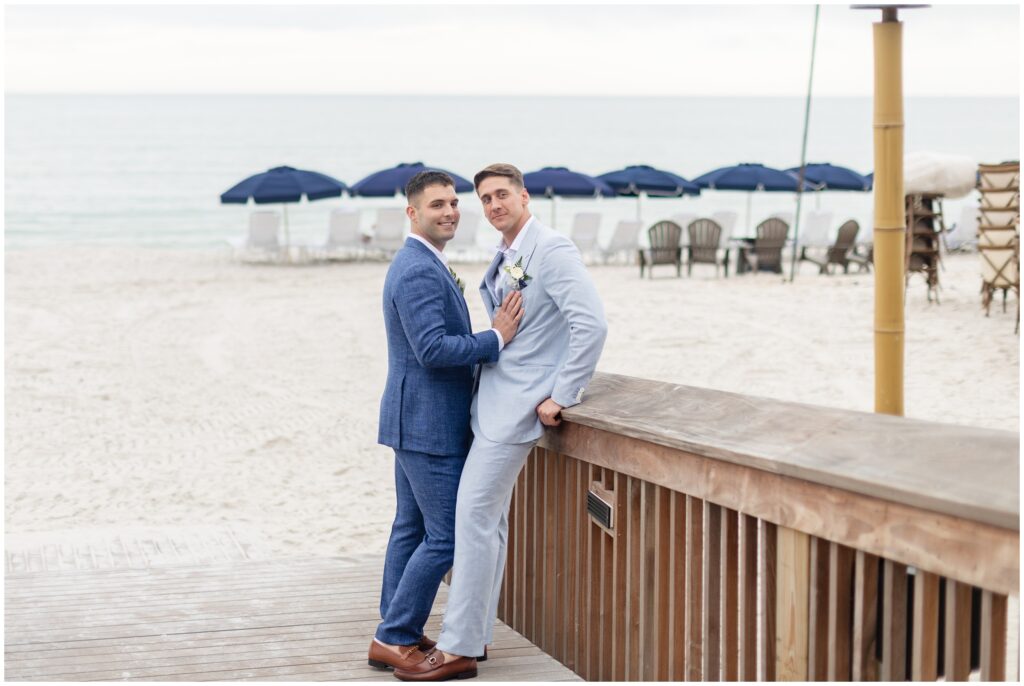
(431, 356)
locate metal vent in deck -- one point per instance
(600, 509)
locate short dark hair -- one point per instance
(423, 179)
(500, 169)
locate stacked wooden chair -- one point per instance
(925, 226)
(999, 232)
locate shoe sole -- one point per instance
(377, 664)
(468, 674)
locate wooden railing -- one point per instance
(757, 539)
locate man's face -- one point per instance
(435, 214)
(504, 204)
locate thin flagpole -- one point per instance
(803, 150)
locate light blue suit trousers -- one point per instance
(553, 355)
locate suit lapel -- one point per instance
(446, 274)
(485, 292)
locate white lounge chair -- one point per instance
(389, 230)
(963, 236)
(727, 220)
(814, 239)
(625, 240)
(343, 236)
(585, 226)
(261, 241)
(464, 246)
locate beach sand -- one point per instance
(180, 389)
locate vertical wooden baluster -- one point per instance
(584, 595)
(677, 635)
(607, 581)
(993, 636)
(712, 628)
(924, 652)
(662, 581)
(694, 625)
(958, 631)
(648, 531)
(523, 600)
(553, 616)
(894, 622)
(634, 582)
(594, 598)
(793, 593)
(573, 524)
(537, 558)
(730, 596)
(840, 611)
(619, 583)
(748, 598)
(865, 617)
(769, 597)
(817, 630)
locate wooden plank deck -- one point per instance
(307, 619)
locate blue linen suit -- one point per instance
(424, 417)
(553, 354)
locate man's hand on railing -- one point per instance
(550, 413)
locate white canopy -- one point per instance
(954, 176)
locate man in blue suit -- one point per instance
(546, 369)
(424, 413)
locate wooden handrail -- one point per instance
(754, 538)
(958, 470)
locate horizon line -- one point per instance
(493, 95)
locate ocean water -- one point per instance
(148, 169)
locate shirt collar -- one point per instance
(518, 241)
(437, 253)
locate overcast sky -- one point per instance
(949, 50)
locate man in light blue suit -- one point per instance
(546, 369)
(424, 413)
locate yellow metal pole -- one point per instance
(890, 222)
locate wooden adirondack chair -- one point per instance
(839, 253)
(705, 246)
(664, 240)
(766, 253)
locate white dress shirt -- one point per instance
(509, 253)
(444, 262)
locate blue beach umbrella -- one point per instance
(748, 177)
(829, 177)
(283, 185)
(552, 182)
(639, 179)
(390, 182)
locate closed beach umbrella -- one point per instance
(829, 177)
(552, 182)
(390, 182)
(748, 177)
(283, 185)
(640, 179)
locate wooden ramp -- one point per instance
(271, 620)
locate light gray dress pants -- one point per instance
(481, 542)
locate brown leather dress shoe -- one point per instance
(384, 656)
(427, 644)
(437, 668)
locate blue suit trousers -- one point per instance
(422, 544)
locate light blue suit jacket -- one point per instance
(556, 348)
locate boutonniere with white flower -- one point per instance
(517, 276)
(458, 282)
